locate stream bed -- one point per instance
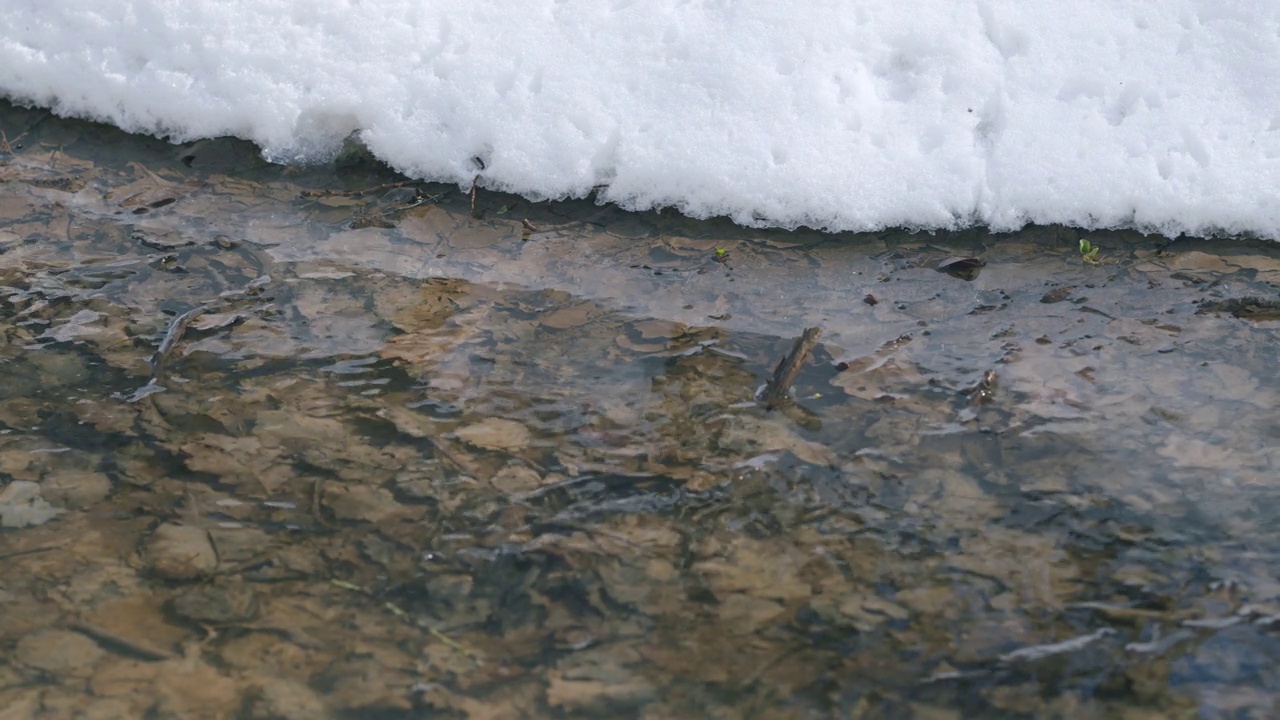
(282, 442)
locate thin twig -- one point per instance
(112, 641)
(763, 667)
(171, 339)
(34, 550)
(8, 144)
(778, 390)
(362, 191)
(435, 632)
(441, 447)
(317, 496)
(528, 228)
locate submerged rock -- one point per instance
(58, 652)
(496, 434)
(22, 506)
(281, 699)
(74, 489)
(180, 552)
(363, 503)
(217, 604)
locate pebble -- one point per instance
(180, 552)
(76, 489)
(281, 699)
(58, 652)
(217, 604)
(496, 434)
(362, 502)
(22, 506)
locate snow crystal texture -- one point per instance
(839, 114)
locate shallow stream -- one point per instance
(283, 442)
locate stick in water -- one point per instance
(172, 337)
(777, 391)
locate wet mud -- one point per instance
(282, 442)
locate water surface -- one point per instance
(284, 442)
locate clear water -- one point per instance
(411, 459)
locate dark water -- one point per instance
(316, 442)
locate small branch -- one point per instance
(34, 550)
(437, 633)
(172, 337)
(357, 193)
(112, 641)
(777, 392)
(317, 501)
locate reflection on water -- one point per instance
(275, 447)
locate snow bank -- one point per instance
(840, 114)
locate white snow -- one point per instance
(839, 114)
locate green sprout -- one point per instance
(721, 252)
(1088, 252)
